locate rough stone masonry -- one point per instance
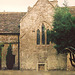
(41, 56)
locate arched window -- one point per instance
(43, 34)
(38, 36)
(48, 34)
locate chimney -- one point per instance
(29, 8)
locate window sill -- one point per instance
(43, 45)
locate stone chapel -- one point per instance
(36, 52)
(27, 32)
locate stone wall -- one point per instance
(32, 54)
(69, 66)
(6, 39)
(56, 61)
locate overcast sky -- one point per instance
(21, 5)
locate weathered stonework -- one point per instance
(69, 66)
(32, 54)
(9, 38)
(6, 39)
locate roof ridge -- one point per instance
(71, 6)
(33, 8)
(10, 12)
(9, 22)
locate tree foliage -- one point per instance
(63, 32)
(1, 45)
(9, 50)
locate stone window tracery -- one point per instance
(47, 33)
(43, 34)
(38, 36)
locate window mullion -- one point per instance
(45, 38)
(40, 36)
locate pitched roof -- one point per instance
(9, 21)
(72, 10)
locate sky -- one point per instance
(21, 5)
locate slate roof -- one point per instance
(9, 21)
(72, 10)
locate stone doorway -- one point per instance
(41, 67)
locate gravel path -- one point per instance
(11, 72)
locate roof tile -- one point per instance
(9, 21)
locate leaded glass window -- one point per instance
(38, 36)
(43, 34)
(48, 38)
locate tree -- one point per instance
(10, 58)
(1, 45)
(63, 32)
(9, 50)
